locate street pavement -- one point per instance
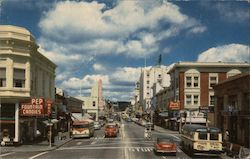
(130, 144)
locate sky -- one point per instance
(110, 39)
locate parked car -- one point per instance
(97, 125)
(165, 145)
(111, 130)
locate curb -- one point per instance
(37, 150)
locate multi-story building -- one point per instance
(232, 111)
(136, 105)
(192, 82)
(152, 80)
(94, 104)
(24, 74)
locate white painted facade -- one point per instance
(94, 103)
(24, 73)
(152, 80)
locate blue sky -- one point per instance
(109, 39)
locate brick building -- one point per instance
(192, 82)
(232, 111)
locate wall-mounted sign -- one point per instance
(49, 106)
(174, 105)
(206, 109)
(35, 108)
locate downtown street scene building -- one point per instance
(124, 79)
(25, 76)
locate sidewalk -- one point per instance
(41, 146)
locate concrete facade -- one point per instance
(152, 80)
(24, 74)
(94, 104)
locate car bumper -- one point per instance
(110, 134)
(165, 151)
(80, 135)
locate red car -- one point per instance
(111, 131)
(165, 145)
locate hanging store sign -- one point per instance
(174, 106)
(49, 107)
(35, 108)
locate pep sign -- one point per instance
(35, 108)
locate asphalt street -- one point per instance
(130, 144)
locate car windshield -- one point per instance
(110, 126)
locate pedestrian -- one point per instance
(226, 136)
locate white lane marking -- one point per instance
(6, 154)
(164, 157)
(94, 142)
(178, 149)
(103, 137)
(40, 154)
(78, 143)
(175, 137)
(138, 149)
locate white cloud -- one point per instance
(76, 34)
(226, 53)
(85, 83)
(87, 28)
(98, 67)
(126, 74)
(116, 83)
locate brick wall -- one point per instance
(204, 82)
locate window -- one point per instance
(189, 81)
(148, 74)
(196, 81)
(212, 81)
(2, 77)
(212, 100)
(188, 99)
(214, 136)
(93, 103)
(203, 135)
(147, 82)
(192, 99)
(196, 99)
(19, 78)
